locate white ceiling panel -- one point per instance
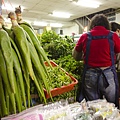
(32, 1)
(40, 9)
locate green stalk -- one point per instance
(22, 45)
(18, 71)
(4, 75)
(39, 67)
(38, 77)
(28, 95)
(17, 97)
(9, 31)
(7, 53)
(43, 64)
(25, 23)
(36, 42)
(2, 100)
(38, 47)
(7, 100)
(24, 69)
(35, 61)
(40, 89)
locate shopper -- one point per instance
(115, 27)
(99, 47)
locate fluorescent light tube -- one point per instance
(56, 25)
(88, 3)
(9, 7)
(40, 23)
(60, 14)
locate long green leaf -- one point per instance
(2, 99)
(24, 69)
(22, 45)
(7, 53)
(39, 67)
(3, 72)
(36, 42)
(19, 75)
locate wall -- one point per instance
(40, 31)
(66, 31)
(70, 30)
(118, 17)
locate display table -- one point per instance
(91, 110)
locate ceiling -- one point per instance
(38, 10)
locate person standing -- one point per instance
(115, 27)
(99, 47)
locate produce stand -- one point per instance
(62, 89)
(91, 110)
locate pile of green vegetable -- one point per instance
(58, 77)
(56, 46)
(21, 63)
(59, 49)
(22, 67)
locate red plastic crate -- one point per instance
(62, 89)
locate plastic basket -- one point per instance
(62, 89)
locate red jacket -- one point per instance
(99, 55)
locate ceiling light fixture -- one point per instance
(56, 25)
(60, 14)
(9, 7)
(88, 3)
(39, 23)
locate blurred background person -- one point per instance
(115, 27)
